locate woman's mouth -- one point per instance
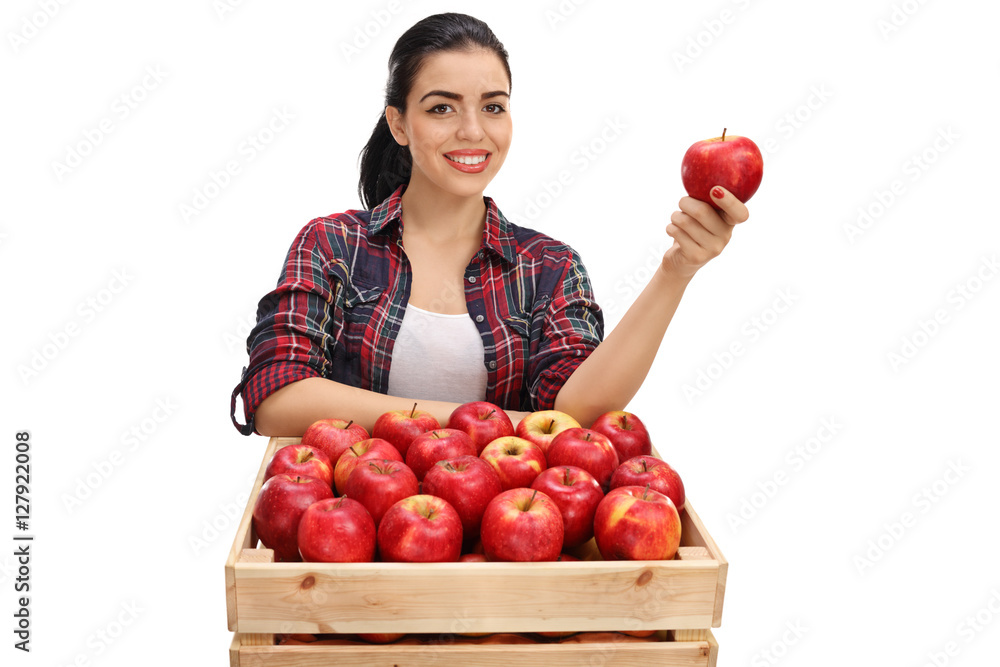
(469, 161)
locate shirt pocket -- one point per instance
(360, 309)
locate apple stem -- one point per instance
(490, 414)
(645, 491)
(723, 134)
(352, 450)
(413, 410)
(531, 500)
(349, 424)
(551, 422)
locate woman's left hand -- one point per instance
(700, 232)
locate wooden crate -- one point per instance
(683, 596)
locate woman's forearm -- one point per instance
(612, 374)
(291, 409)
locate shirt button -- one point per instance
(480, 318)
(472, 279)
(493, 365)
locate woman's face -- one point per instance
(457, 122)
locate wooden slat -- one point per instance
(477, 597)
(608, 654)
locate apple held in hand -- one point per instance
(626, 432)
(336, 530)
(420, 529)
(469, 484)
(637, 523)
(366, 450)
(587, 449)
(378, 484)
(516, 460)
(333, 436)
(483, 421)
(542, 426)
(301, 460)
(279, 507)
(400, 427)
(733, 162)
(437, 445)
(576, 493)
(522, 525)
(643, 470)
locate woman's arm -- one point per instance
(612, 374)
(291, 409)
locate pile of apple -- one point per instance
(476, 490)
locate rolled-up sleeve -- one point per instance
(296, 322)
(572, 328)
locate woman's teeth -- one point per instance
(467, 159)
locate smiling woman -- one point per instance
(429, 293)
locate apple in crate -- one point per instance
(279, 507)
(542, 426)
(468, 484)
(576, 493)
(301, 460)
(371, 449)
(333, 436)
(400, 427)
(336, 530)
(626, 432)
(437, 445)
(483, 421)
(378, 484)
(587, 449)
(522, 525)
(380, 637)
(420, 529)
(733, 162)
(516, 460)
(637, 523)
(643, 470)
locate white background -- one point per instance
(121, 315)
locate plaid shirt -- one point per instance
(336, 310)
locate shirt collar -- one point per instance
(497, 236)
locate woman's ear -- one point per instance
(394, 117)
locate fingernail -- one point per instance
(717, 193)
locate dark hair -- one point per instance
(385, 165)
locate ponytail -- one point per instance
(385, 165)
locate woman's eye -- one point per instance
(440, 108)
(495, 108)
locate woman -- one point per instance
(430, 294)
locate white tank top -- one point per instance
(438, 357)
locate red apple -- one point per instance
(301, 460)
(278, 509)
(378, 484)
(626, 432)
(469, 484)
(522, 525)
(437, 445)
(420, 529)
(333, 436)
(585, 449)
(516, 460)
(637, 523)
(336, 530)
(380, 637)
(576, 493)
(733, 162)
(484, 422)
(366, 450)
(400, 427)
(643, 470)
(542, 426)
(472, 558)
